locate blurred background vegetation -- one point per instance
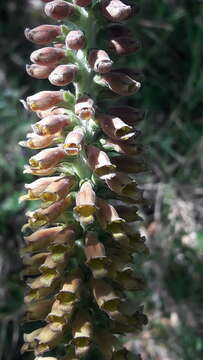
(172, 33)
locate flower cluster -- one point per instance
(82, 239)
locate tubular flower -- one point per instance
(82, 237)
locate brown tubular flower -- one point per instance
(73, 142)
(85, 203)
(82, 237)
(44, 100)
(51, 124)
(95, 255)
(44, 34)
(114, 127)
(100, 163)
(47, 158)
(84, 108)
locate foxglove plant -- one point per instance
(82, 238)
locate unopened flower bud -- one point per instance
(51, 124)
(116, 10)
(59, 9)
(44, 100)
(47, 56)
(76, 40)
(114, 127)
(63, 75)
(100, 61)
(73, 141)
(120, 83)
(43, 34)
(58, 189)
(124, 45)
(128, 114)
(84, 108)
(100, 163)
(39, 71)
(85, 203)
(47, 158)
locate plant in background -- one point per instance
(82, 238)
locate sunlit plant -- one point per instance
(82, 238)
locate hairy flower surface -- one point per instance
(82, 238)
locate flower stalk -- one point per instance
(83, 235)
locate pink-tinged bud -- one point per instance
(58, 189)
(116, 10)
(100, 163)
(84, 108)
(123, 147)
(43, 34)
(120, 83)
(85, 203)
(129, 164)
(124, 45)
(46, 1)
(100, 61)
(37, 142)
(128, 114)
(42, 216)
(51, 124)
(114, 127)
(117, 30)
(51, 111)
(82, 3)
(36, 188)
(39, 71)
(95, 255)
(47, 56)
(123, 185)
(63, 75)
(39, 172)
(108, 216)
(76, 40)
(59, 9)
(73, 142)
(44, 100)
(47, 158)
